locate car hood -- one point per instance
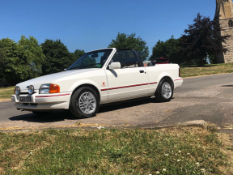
(47, 79)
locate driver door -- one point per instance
(129, 81)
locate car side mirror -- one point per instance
(64, 69)
(115, 65)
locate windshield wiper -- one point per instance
(73, 68)
(90, 65)
(83, 66)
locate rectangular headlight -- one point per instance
(44, 89)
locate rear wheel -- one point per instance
(164, 91)
(84, 102)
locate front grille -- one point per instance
(24, 93)
(25, 99)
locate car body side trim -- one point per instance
(52, 95)
(178, 79)
(153, 83)
(128, 86)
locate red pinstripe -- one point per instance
(153, 83)
(178, 79)
(128, 86)
(52, 95)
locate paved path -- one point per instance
(208, 98)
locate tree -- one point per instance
(124, 41)
(8, 59)
(20, 61)
(168, 49)
(57, 56)
(202, 39)
(76, 55)
(31, 57)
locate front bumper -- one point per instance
(43, 101)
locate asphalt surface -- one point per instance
(208, 98)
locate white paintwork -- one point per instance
(126, 77)
(115, 65)
(127, 83)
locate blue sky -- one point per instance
(92, 24)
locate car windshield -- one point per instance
(95, 59)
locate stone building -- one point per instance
(224, 12)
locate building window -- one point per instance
(225, 0)
(230, 23)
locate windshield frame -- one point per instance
(107, 51)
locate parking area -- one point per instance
(208, 98)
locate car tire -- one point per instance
(164, 90)
(84, 102)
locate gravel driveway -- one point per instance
(208, 98)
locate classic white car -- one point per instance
(98, 77)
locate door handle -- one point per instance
(141, 71)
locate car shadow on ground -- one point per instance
(44, 118)
(126, 104)
(66, 115)
(227, 86)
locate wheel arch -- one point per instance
(159, 89)
(166, 77)
(73, 106)
(87, 85)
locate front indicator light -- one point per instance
(54, 88)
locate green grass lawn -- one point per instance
(168, 151)
(208, 69)
(6, 93)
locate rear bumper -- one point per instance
(43, 101)
(178, 82)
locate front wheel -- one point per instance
(84, 102)
(164, 91)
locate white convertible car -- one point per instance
(98, 77)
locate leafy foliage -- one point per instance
(20, 61)
(200, 42)
(8, 59)
(124, 41)
(76, 55)
(202, 39)
(168, 49)
(27, 59)
(31, 57)
(57, 56)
